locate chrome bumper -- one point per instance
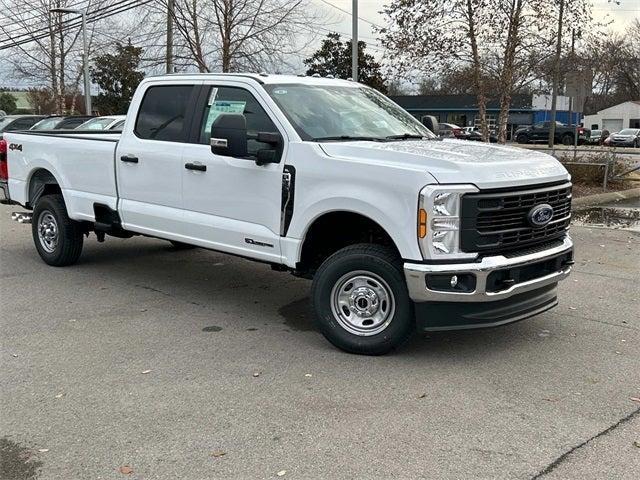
(415, 274)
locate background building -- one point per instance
(614, 119)
(462, 110)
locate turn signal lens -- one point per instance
(422, 223)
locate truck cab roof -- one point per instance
(261, 78)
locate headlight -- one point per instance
(439, 221)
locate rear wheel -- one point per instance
(361, 302)
(567, 139)
(57, 238)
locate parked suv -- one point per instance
(11, 123)
(629, 137)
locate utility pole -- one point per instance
(354, 41)
(556, 78)
(170, 7)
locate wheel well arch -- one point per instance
(337, 229)
(41, 182)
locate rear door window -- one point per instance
(163, 112)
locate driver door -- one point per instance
(231, 204)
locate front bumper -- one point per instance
(492, 278)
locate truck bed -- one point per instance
(84, 160)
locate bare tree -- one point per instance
(44, 47)
(241, 35)
(442, 34)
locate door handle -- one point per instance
(129, 159)
(195, 166)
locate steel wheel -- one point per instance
(48, 232)
(362, 303)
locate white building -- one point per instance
(614, 119)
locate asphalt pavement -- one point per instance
(145, 362)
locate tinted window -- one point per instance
(236, 100)
(162, 113)
(71, 123)
(23, 124)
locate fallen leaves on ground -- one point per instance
(636, 399)
(126, 470)
(218, 453)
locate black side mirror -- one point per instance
(229, 135)
(268, 155)
(431, 123)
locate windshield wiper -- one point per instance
(406, 136)
(349, 137)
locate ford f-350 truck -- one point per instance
(325, 178)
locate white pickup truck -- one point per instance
(325, 178)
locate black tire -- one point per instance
(68, 237)
(376, 262)
(522, 138)
(567, 139)
(181, 246)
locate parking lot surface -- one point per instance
(150, 363)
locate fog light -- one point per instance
(443, 282)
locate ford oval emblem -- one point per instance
(540, 215)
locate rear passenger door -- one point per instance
(149, 160)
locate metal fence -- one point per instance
(606, 158)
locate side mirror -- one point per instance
(229, 135)
(431, 123)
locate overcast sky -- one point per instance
(368, 11)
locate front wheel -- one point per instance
(58, 239)
(522, 138)
(361, 302)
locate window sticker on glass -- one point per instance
(223, 106)
(280, 91)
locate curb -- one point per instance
(600, 198)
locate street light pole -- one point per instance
(85, 57)
(354, 41)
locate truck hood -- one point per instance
(457, 161)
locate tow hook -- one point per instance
(21, 217)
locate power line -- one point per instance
(66, 24)
(115, 9)
(83, 5)
(349, 13)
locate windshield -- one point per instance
(628, 131)
(47, 124)
(96, 124)
(330, 112)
